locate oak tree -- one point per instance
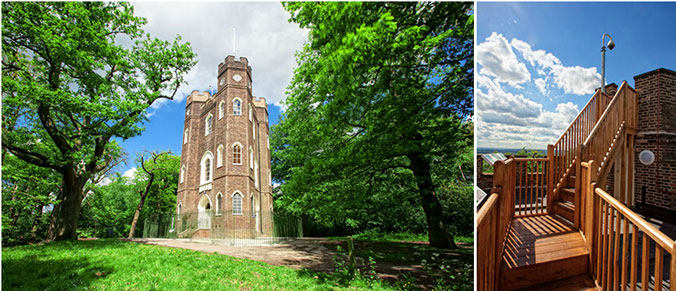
(380, 89)
(76, 77)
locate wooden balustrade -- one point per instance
(530, 186)
(616, 237)
(493, 219)
(610, 130)
(563, 151)
(616, 259)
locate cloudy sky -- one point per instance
(263, 35)
(539, 63)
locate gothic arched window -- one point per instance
(219, 156)
(237, 106)
(182, 176)
(208, 124)
(185, 137)
(219, 202)
(221, 109)
(236, 154)
(237, 203)
(207, 168)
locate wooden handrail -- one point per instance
(659, 237)
(530, 187)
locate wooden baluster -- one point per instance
(659, 264)
(601, 240)
(606, 243)
(634, 257)
(625, 247)
(616, 250)
(645, 263)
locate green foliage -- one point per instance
(108, 207)
(75, 76)
(116, 265)
(378, 86)
(112, 206)
(26, 191)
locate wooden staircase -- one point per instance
(564, 205)
(551, 239)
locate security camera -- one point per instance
(611, 44)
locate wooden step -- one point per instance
(571, 180)
(541, 249)
(575, 283)
(565, 209)
(568, 194)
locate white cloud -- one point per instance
(573, 80)
(105, 181)
(497, 59)
(541, 85)
(130, 173)
(263, 35)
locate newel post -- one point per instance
(550, 177)
(578, 186)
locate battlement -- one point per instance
(230, 62)
(196, 96)
(260, 102)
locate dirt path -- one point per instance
(393, 259)
(302, 253)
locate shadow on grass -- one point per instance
(416, 265)
(39, 273)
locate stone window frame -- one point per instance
(219, 156)
(208, 124)
(178, 209)
(251, 158)
(236, 108)
(219, 204)
(250, 113)
(235, 153)
(181, 178)
(237, 197)
(185, 136)
(207, 156)
(221, 110)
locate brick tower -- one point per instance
(225, 183)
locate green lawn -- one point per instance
(116, 265)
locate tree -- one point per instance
(76, 76)
(159, 180)
(380, 89)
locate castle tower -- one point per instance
(225, 183)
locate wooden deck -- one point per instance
(544, 245)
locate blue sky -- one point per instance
(539, 63)
(263, 35)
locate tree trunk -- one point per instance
(136, 215)
(438, 234)
(63, 224)
(36, 220)
(140, 205)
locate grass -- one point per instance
(115, 265)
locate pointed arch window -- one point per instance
(253, 206)
(236, 154)
(207, 168)
(185, 137)
(250, 113)
(182, 176)
(219, 156)
(208, 126)
(251, 158)
(221, 109)
(237, 203)
(178, 210)
(219, 202)
(236, 106)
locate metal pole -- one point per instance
(603, 69)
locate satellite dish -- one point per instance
(646, 157)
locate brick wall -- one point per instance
(657, 133)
